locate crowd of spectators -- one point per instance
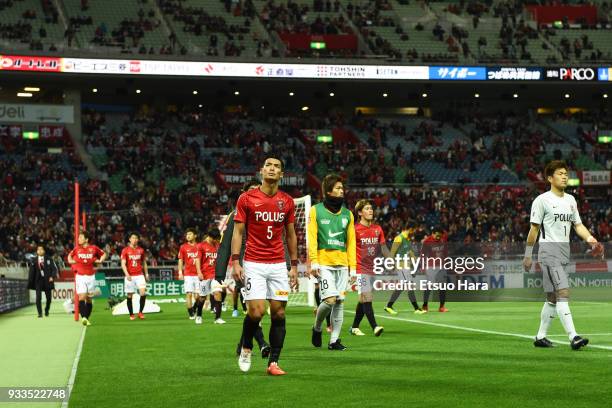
(162, 175)
(296, 18)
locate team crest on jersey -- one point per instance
(344, 222)
(280, 204)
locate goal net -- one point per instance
(303, 295)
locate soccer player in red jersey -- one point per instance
(263, 214)
(209, 286)
(435, 246)
(83, 258)
(189, 268)
(134, 263)
(371, 243)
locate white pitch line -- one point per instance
(75, 365)
(585, 334)
(471, 329)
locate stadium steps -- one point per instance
(216, 8)
(601, 40)
(584, 162)
(111, 13)
(14, 13)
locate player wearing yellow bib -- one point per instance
(403, 244)
(332, 253)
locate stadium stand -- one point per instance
(160, 172)
(496, 31)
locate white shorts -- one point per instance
(365, 283)
(85, 284)
(192, 284)
(266, 281)
(208, 286)
(136, 283)
(333, 281)
(230, 284)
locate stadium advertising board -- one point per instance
(571, 74)
(237, 179)
(604, 74)
(30, 113)
(30, 63)
(458, 73)
(105, 66)
(238, 69)
(514, 74)
(576, 280)
(596, 178)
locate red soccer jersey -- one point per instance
(134, 258)
(369, 240)
(189, 253)
(265, 218)
(85, 257)
(435, 249)
(208, 260)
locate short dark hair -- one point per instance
(553, 166)
(191, 230)
(85, 234)
(247, 186)
(329, 182)
(275, 157)
(361, 204)
(214, 233)
(40, 245)
(133, 233)
(436, 228)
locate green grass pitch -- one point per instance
(168, 361)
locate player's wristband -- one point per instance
(294, 262)
(528, 251)
(591, 240)
(235, 257)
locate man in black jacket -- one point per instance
(42, 273)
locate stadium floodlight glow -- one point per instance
(605, 96)
(291, 94)
(476, 95)
(424, 95)
(138, 91)
(95, 90)
(331, 94)
(385, 95)
(305, 108)
(200, 105)
(31, 89)
(236, 93)
(566, 96)
(515, 96)
(24, 94)
(195, 92)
